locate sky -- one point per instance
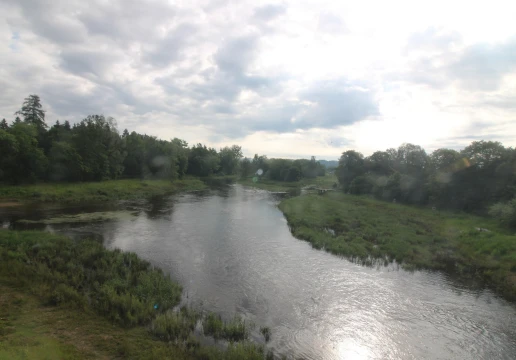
(286, 79)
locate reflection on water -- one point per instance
(232, 251)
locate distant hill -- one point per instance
(329, 163)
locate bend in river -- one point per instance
(232, 250)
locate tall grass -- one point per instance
(97, 191)
(119, 286)
(368, 231)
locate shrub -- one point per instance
(505, 212)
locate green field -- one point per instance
(370, 231)
(96, 191)
(77, 300)
(325, 182)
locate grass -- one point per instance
(325, 182)
(233, 330)
(96, 191)
(370, 231)
(78, 300)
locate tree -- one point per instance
(203, 161)
(4, 125)
(97, 142)
(9, 151)
(351, 165)
(33, 112)
(230, 158)
(482, 153)
(245, 168)
(25, 161)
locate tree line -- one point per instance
(480, 178)
(93, 150)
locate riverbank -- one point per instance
(325, 182)
(110, 190)
(77, 300)
(369, 231)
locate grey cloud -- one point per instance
(332, 24)
(483, 66)
(269, 12)
(501, 102)
(87, 61)
(126, 21)
(479, 67)
(235, 55)
(171, 47)
(52, 20)
(331, 105)
(336, 104)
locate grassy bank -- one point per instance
(96, 191)
(365, 230)
(77, 300)
(325, 182)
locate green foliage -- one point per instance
(230, 159)
(33, 112)
(245, 168)
(505, 212)
(233, 330)
(471, 180)
(369, 232)
(118, 285)
(175, 325)
(203, 161)
(23, 160)
(98, 191)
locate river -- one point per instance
(232, 251)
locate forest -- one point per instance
(480, 179)
(93, 150)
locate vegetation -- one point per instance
(323, 182)
(479, 176)
(97, 191)
(48, 283)
(266, 332)
(369, 231)
(234, 330)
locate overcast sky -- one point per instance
(290, 78)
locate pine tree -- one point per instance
(4, 125)
(32, 111)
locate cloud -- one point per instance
(269, 12)
(483, 66)
(217, 70)
(331, 24)
(86, 62)
(442, 59)
(433, 39)
(171, 47)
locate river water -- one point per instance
(232, 251)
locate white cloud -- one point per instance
(282, 78)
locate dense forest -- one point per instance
(93, 150)
(481, 178)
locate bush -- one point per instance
(505, 212)
(174, 325)
(234, 330)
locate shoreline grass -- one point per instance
(326, 182)
(94, 294)
(368, 231)
(110, 190)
